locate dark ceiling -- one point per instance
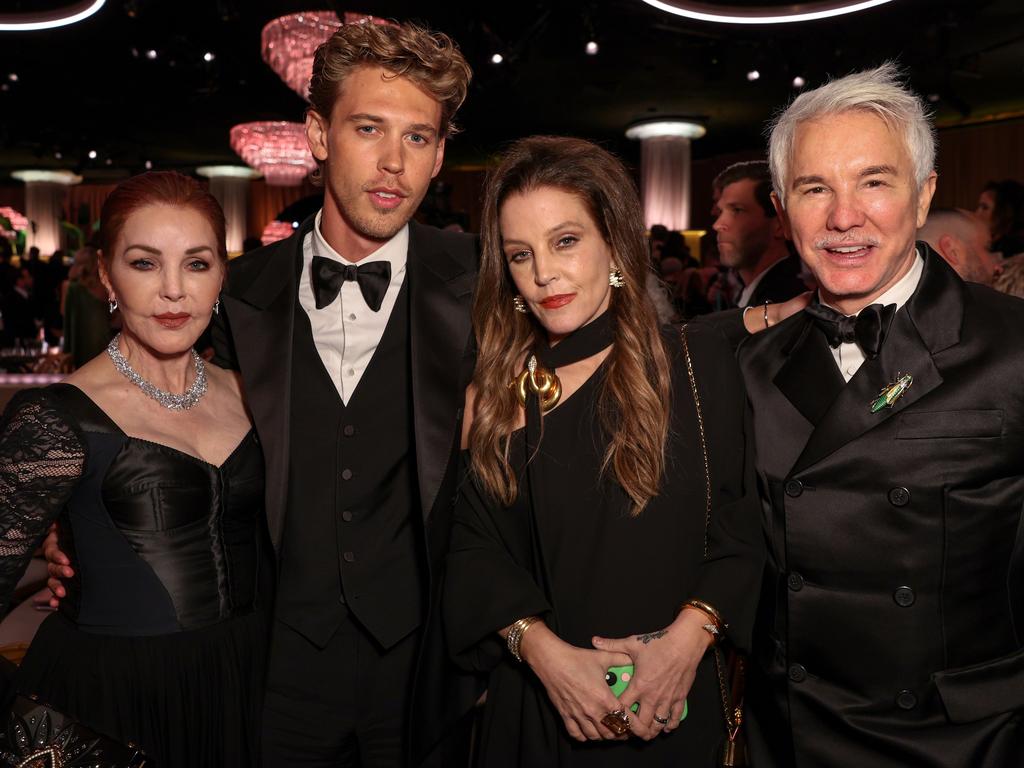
(90, 86)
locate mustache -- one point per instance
(390, 185)
(843, 241)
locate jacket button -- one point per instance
(794, 488)
(899, 497)
(346, 474)
(795, 581)
(349, 557)
(349, 430)
(906, 700)
(904, 597)
(346, 516)
(797, 673)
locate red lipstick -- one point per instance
(172, 319)
(557, 301)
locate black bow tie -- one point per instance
(328, 275)
(867, 329)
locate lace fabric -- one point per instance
(41, 459)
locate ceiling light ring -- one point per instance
(778, 14)
(71, 13)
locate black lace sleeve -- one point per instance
(41, 460)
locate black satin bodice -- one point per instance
(160, 540)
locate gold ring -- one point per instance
(617, 722)
(661, 720)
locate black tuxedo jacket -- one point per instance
(780, 283)
(891, 624)
(253, 334)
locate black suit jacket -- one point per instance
(891, 625)
(253, 334)
(780, 283)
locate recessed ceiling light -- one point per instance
(60, 17)
(753, 75)
(497, 58)
(777, 14)
(657, 128)
(592, 48)
(209, 56)
(799, 82)
(151, 54)
(149, 165)
(59, 155)
(92, 154)
(13, 77)
(108, 161)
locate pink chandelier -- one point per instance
(17, 219)
(289, 43)
(276, 230)
(276, 149)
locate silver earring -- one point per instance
(113, 305)
(216, 307)
(519, 304)
(615, 279)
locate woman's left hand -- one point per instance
(664, 665)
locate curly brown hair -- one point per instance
(429, 59)
(633, 401)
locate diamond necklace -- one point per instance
(168, 400)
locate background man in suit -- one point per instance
(889, 627)
(963, 240)
(353, 340)
(17, 310)
(750, 236)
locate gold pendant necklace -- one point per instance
(541, 382)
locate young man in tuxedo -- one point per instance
(353, 340)
(889, 427)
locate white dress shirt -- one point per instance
(346, 332)
(849, 357)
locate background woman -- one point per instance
(147, 458)
(590, 521)
(1001, 207)
(84, 308)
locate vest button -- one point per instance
(904, 597)
(794, 488)
(346, 474)
(899, 497)
(346, 516)
(349, 430)
(795, 581)
(797, 673)
(349, 557)
(906, 700)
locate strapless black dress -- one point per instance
(161, 640)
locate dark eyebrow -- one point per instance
(198, 249)
(875, 170)
(565, 224)
(799, 181)
(146, 248)
(366, 117)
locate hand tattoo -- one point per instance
(647, 637)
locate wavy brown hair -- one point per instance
(633, 400)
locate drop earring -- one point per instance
(216, 307)
(519, 304)
(113, 305)
(615, 279)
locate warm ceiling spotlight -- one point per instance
(70, 13)
(497, 58)
(149, 165)
(592, 48)
(108, 161)
(58, 155)
(227, 172)
(769, 14)
(662, 127)
(13, 77)
(209, 56)
(934, 98)
(92, 154)
(799, 82)
(151, 54)
(753, 75)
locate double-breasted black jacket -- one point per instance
(891, 623)
(254, 334)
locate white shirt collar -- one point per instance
(395, 250)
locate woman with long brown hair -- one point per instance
(610, 491)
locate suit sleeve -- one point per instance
(730, 574)
(486, 587)
(223, 344)
(728, 323)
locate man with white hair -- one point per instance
(963, 240)
(889, 428)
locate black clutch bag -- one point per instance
(38, 736)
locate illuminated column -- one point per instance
(665, 169)
(230, 185)
(44, 199)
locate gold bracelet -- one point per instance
(766, 303)
(716, 626)
(515, 635)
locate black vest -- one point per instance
(352, 536)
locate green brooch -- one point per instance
(890, 393)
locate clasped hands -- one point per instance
(665, 663)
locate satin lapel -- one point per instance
(439, 303)
(261, 318)
(809, 378)
(929, 323)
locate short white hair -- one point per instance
(880, 91)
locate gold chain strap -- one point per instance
(733, 715)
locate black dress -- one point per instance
(590, 568)
(161, 639)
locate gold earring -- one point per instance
(519, 304)
(615, 279)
